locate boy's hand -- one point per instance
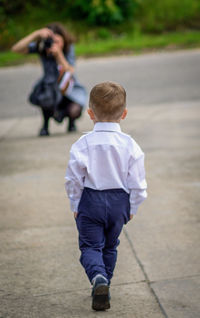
(131, 216)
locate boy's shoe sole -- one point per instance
(101, 299)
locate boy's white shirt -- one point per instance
(106, 158)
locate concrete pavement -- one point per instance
(165, 77)
(158, 271)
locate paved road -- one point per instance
(149, 79)
(158, 272)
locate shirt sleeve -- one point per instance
(33, 47)
(74, 179)
(137, 184)
(70, 55)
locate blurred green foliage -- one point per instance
(94, 12)
(167, 15)
(103, 12)
(97, 19)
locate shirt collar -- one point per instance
(107, 126)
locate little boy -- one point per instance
(105, 182)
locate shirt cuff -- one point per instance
(134, 210)
(74, 205)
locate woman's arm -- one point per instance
(22, 45)
(60, 58)
(62, 61)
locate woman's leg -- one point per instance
(74, 112)
(69, 109)
(46, 116)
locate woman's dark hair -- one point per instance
(59, 29)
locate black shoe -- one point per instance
(58, 116)
(71, 126)
(100, 294)
(109, 297)
(44, 132)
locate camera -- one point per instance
(45, 44)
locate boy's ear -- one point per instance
(91, 114)
(124, 113)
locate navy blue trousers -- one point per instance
(101, 216)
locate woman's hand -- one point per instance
(22, 45)
(44, 33)
(55, 50)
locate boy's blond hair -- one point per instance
(108, 100)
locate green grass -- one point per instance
(9, 58)
(133, 43)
